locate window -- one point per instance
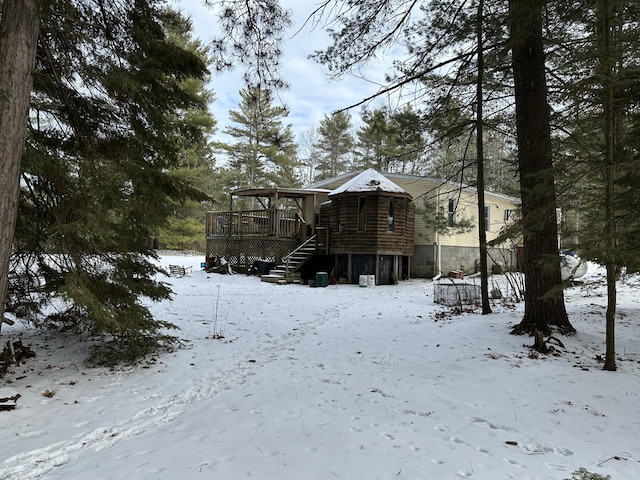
(451, 215)
(487, 219)
(508, 215)
(362, 213)
(390, 222)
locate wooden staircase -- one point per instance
(289, 270)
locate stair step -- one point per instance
(306, 253)
(296, 259)
(283, 273)
(271, 278)
(280, 279)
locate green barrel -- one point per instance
(322, 279)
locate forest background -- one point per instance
(120, 141)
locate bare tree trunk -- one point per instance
(19, 27)
(482, 223)
(607, 70)
(544, 298)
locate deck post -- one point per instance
(277, 215)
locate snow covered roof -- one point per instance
(368, 181)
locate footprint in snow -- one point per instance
(512, 462)
(556, 467)
(563, 451)
(458, 441)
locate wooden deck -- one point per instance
(279, 223)
(287, 219)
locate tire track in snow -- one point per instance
(34, 464)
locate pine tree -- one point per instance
(19, 23)
(264, 153)
(373, 148)
(336, 145)
(443, 50)
(391, 141)
(107, 122)
(442, 39)
(252, 34)
(453, 148)
(452, 152)
(599, 77)
(544, 298)
(409, 144)
(184, 229)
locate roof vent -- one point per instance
(374, 182)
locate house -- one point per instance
(361, 223)
(434, 251)
(370, 223)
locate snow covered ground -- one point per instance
(337, 382)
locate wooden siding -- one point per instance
(341, 217)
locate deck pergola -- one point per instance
(285, 218)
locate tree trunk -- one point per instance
(607, 71)
(19, 26)
(544, 298)
(482, 224)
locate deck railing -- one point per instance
(282, 223)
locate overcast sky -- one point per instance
(310, 94)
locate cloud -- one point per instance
(311, 94)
